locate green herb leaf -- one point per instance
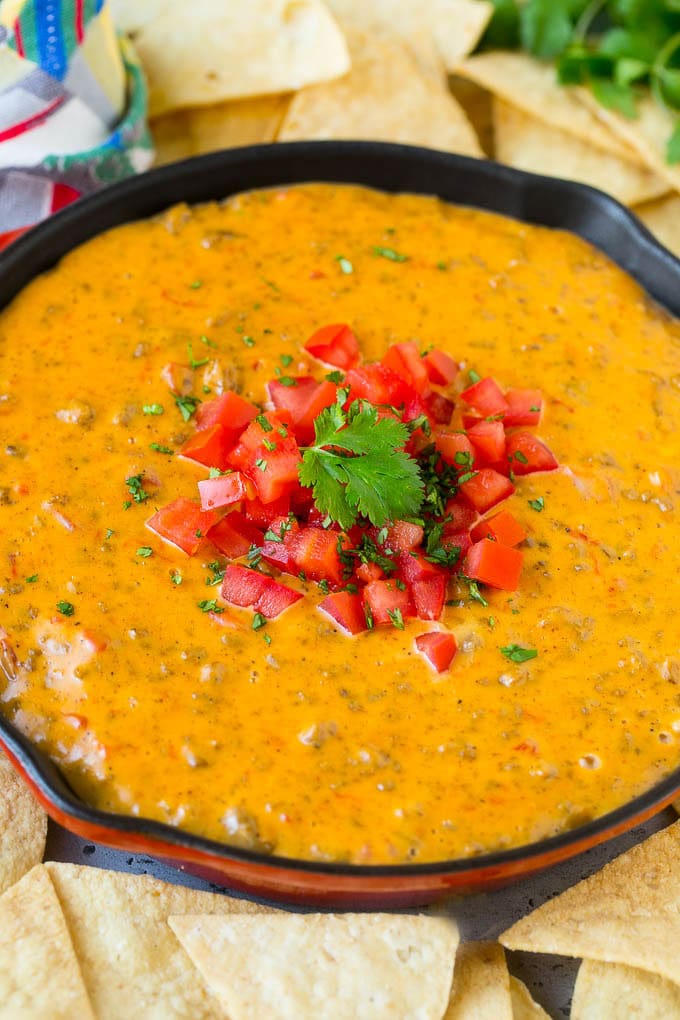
(366, 472)
(620, 98)
(161, 449)
(195, 362)
(517, 653)
(537, 504)
(66, 608)
(176, 576)
(545, 27)
(345, 265)
(259, 621)
(396, 618)
(389, 253)
(209, 606)
(145, 551)
(152, 409)
(32, 579)
(136, 488)
(187, 406)
(673, 146)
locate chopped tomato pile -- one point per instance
(460, 455)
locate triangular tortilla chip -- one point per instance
(612, 991)
(662, 217)
(192, 132)
(529, 144)
(23, 826)
(455, 26)
(481, 984)
(629, 912)
(523, 1006)
(532, 86)
(236, 50)
(39, 974)
(132, 964)
(386, 97)
(324, 966)
(647, 134)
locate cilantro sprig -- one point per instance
(617, 48)
(357, 466)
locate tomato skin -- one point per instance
(402, 536)
(379, 385)
(454, 445)
(439, 648)
(383, 598)
(462, 516)
(439, 408)
(369, 572)
(261, 515)
(274, 598)
(274, 473)
(521, 403)
(229, 410)
(528, 454)
(441, 368)
(250, 589)
(486, 397)
(223, 490)
(178, 522)
(316, 552)
(210, 447)
(488, 441)
(234, 535)
(502, 527)
(487, 488)
(346, 610)
(494, 564)
(429, 595)
(335, 345)
(304, 403)
(404, 359)
(456, 540)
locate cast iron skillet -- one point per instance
(586, 212)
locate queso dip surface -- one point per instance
(152, 707)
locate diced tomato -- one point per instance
(414, 567)
(502, 527)
(402, 536)
(277, 551)
(369, 572)
(405, 360)
(439, 648)
(459, 540)
(488, 440)
(317, 553)
(385, 597)
(259, 514)
(304, 402)
(209, 447)
(183, 523)
(494, 564)
(335, 345)
(527, 454)
(224, 490)
(248, 588)
(461, 517)
(415, 407)
(441, 368)
(230, 410)
(346, 610)
(429, 595)
(525, 407)
(486, 397)
(273, 472)
(455, 448)
(324, 396)
(292, 398)
(275, 598)
(178, 378)
(377, 384)
(486, 488)
(439, 408)
(234, 535)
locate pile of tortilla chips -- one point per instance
(80, 943)
(229, 74)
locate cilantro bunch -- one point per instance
(615, 47)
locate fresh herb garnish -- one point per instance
(145, 551)
(176, 576)
(335, 377)
(152, 409)
(346, 266)
(473, 376)
(248, 341)
(195, 284)
(204, 340)
(109, 533)
(537, 504)
(187, 406)
(264, 424)
(475, 593)
(366, 471)
(32, 579)
(259, 621)
(389, 253)
(396, 618)
(66, 608)
(195, 362)
(161, 449)
(517, 653)
(136, 488)
(216, 575)
(209, 606)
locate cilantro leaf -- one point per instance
(545, 28)
(516, 653)
(366, 472)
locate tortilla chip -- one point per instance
(662, 218)
(532, 86)
(478, 105)
(344, 967)
(185, 133)
(612, 991)
(530, 144)
(132, 964)
(523, 1006)
(237, 50)
(455, 26)
(629, 912)
(23, 826)
(481, 984)
(386, 97)
(131, 15)
(647, 134)
(39, 974)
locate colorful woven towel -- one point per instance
(72, 108)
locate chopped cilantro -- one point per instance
(187, 406)
(193, 362)
(248, 341)
(264, 424)
(209, 343)
(195, 284)
(32, 579)
(66, 608)
(475, 593)
(335, 377)
(389, 253)
(345, 265)
(136, 488)
(259, 621)
(396, 618)
(286, 360)
(261, 463)
(516, 653)
(161, 449)
(537, 504)
(473, 376)
(176, 576)
(287, 380)
(323, 585)
(209, 606)
(152, 409)
(145, 551)
(109, 533)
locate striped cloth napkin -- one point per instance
(72, 108)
